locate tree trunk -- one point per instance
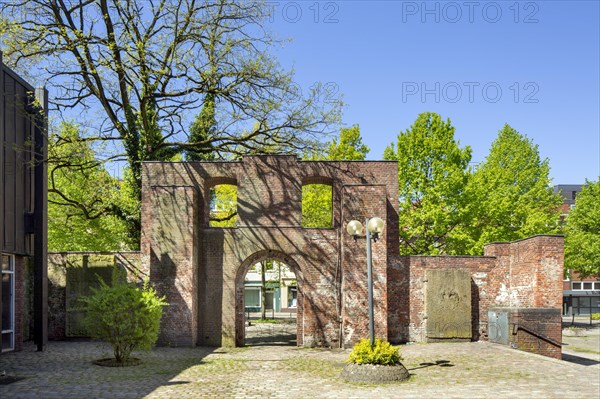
(263, 291)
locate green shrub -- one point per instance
(596, 316)
(382, 352)
(125, 316)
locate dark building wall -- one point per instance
(17, 129)
(22, 122)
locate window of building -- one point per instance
(585, 285)
(573, 194)
(252, 297)
(292, 297)
(8, 303)
(223, 206)
(317, 206)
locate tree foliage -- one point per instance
(582, 232)
(202, 129)
(223, 206)
(317, 205)
(511, 193)
(432, 178)
(137, 71)
(78, 183)
(350, 146)
(125, 316)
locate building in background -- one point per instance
(23, 211)
(581, 296)
(281, 292)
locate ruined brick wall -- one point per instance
(87, 263)
(536, 330)
(528, 272)
(360, 203)
(522, 274)
(269, 226)
(408, 313)
(201, 269)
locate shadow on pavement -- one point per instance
(440, 363)
(67, 370)
(584, 361)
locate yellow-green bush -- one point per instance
(596, 316)
(382, 352)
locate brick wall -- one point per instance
(361, 202)
(536, 330)
(58, 265)
(407, 307)
(201, 269)
(269, 226)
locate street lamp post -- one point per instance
(374, 228)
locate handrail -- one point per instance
(536, 334)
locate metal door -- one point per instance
(498, 327)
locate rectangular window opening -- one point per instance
(317, 206)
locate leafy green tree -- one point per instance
(432, 177)
(582, 232)
(350, 146)
(223, 206)
(143, 66)
(203, 128)
(511, 193)
(317, 206)
(77, 182)
(317, 198)
(125, 316)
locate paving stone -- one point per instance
(458, 370)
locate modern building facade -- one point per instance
(581, 296)
(281, 289)
(23, 211)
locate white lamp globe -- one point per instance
(375, 225)
(354, 228)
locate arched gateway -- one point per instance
(239, 291)
(200, 269)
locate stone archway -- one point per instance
(239, 292)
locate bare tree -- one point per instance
(139, 70)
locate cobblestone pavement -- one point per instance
(442, 370)
(582, 340)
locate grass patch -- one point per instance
(578, 349)
(265, 321)
(318, 367)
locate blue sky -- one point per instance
(532, 64)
